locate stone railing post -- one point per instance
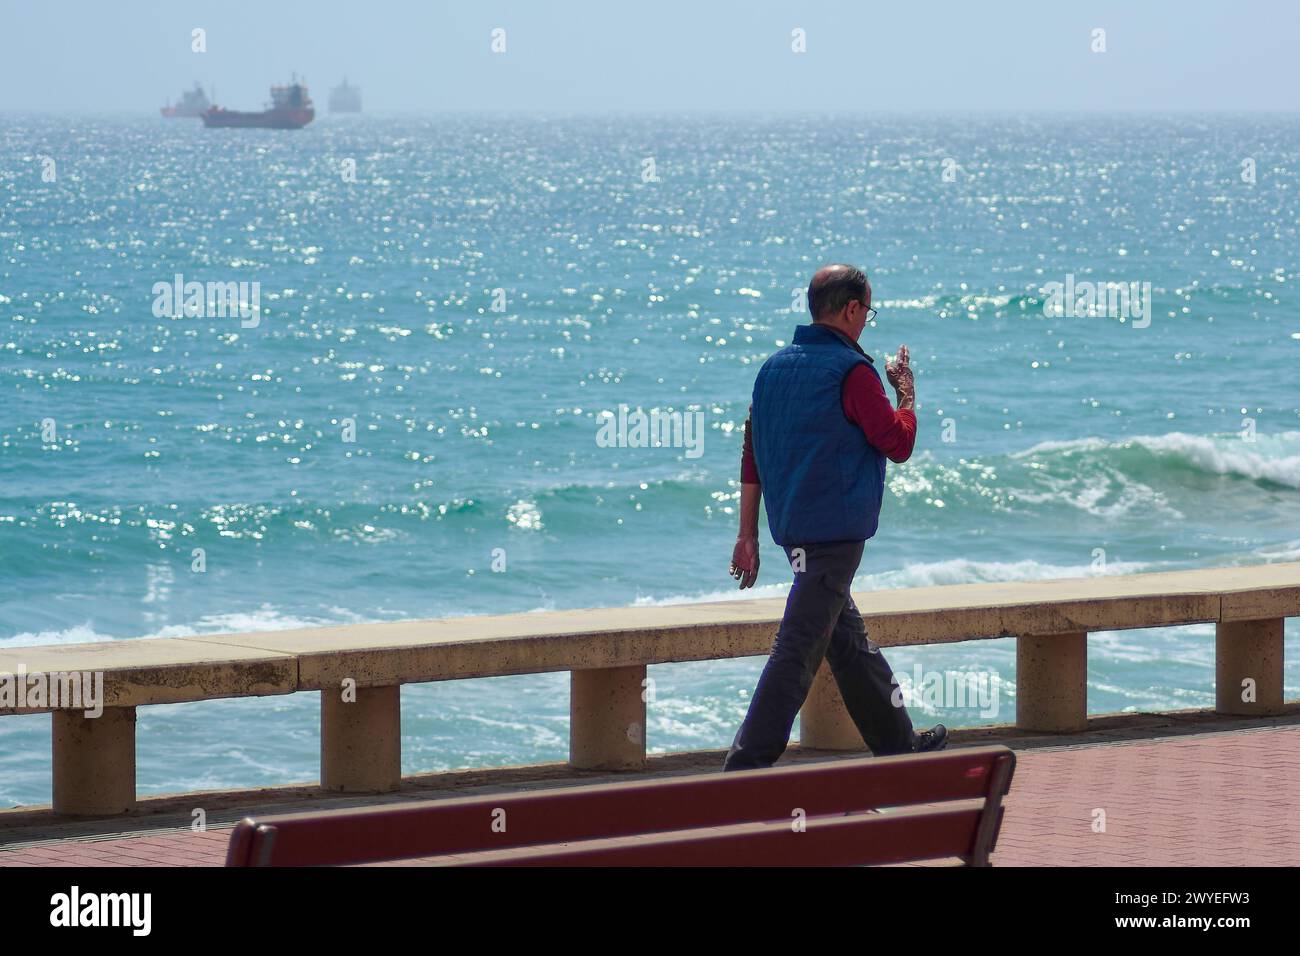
(607, 718)
(94, 762)
(361, 740)
(824, 722)
(1052, 682)
(1248, 667)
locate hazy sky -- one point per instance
(658, 54)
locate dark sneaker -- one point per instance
(930, 740)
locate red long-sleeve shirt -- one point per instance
(891, 432)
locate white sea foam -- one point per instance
(79, 634)
(997, 300)
(1274, 458)
(920, 574)
(1107, 495)
(965, 571)
(732, 593)
(923, 302)
(1069, 444)
(265, 618)
(1290, 551)
(1149, 646)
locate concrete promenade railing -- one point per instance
(606, 652)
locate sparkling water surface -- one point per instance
(1078, 445)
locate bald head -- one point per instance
(835, 286)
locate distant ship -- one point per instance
(193, 103)
(345, 99)
(290, 108)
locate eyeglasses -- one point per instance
(871, 314)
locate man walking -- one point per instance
(819, 431)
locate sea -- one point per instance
(395, 408)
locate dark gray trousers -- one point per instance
(821, 621)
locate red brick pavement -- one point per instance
(1229, 799)
(1219, 799)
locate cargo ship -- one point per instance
(345, 99)
(193, 103)
(290, 108)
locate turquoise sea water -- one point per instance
(1072, 438)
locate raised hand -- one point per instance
(898, 366)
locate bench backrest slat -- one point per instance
(605, 811)
(864, 840)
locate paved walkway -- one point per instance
(1211, 799)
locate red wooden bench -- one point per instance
(807, 814)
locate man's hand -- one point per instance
(744, 560)
(899, 373)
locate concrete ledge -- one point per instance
(160, 670)
(498, 645)
(419, 651)
(384, 654)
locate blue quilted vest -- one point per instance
(822, 480)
